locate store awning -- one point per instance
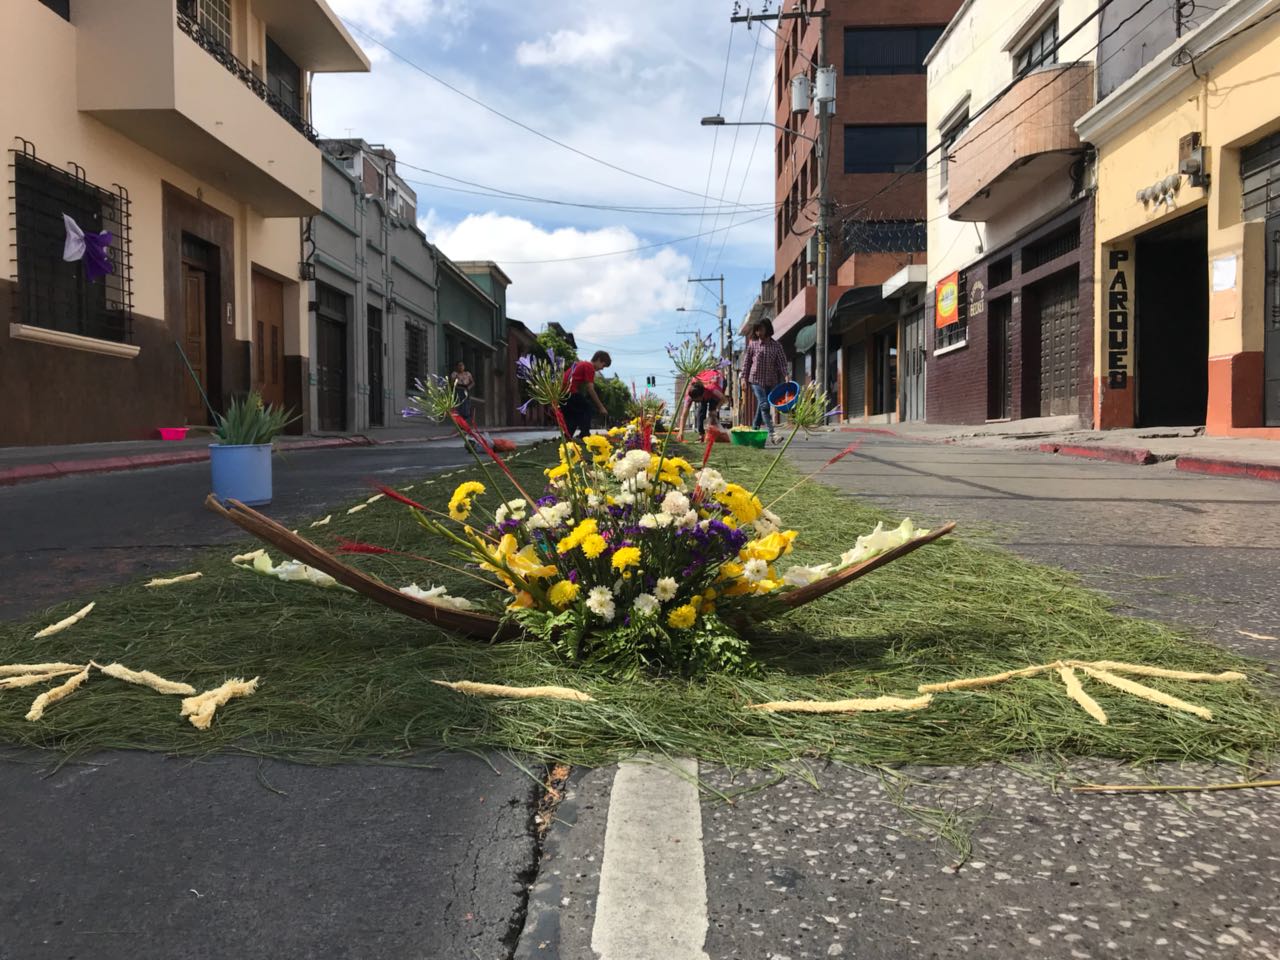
(860, 302)
(806, 338)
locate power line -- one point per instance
(524, 126)
(715, 140)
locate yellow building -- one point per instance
(181, 128)
(1187, 324)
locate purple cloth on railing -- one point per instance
(97, 261)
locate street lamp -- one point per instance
(719, 121)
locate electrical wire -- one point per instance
(519, 123)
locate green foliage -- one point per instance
(249, 421)
(616, 397)
(550, 340)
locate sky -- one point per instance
(624, 83)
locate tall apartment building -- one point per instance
(876, 185)
(177, 136)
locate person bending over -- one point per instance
(580, 378)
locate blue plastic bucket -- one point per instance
(241, 472)
(781, 390)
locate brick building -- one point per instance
(877, 211)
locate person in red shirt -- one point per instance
(580, 378)
(707, 391)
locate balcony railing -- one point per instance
(238, 69)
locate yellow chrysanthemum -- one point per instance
(626, 557)
(682, 617)
(744, 507)
(563, 594)
(460, 502)
(593, 546)
(600, 448)
(557, 473)
(579, 533)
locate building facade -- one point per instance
(499, 389)
(183, 132)
(1008, 315)
(468, 318)
(373, 303)
(876, 186)
(1187, 253)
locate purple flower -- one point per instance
(573, 576)
(524, 407)
(409, 412)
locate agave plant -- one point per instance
(249, 421)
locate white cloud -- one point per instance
(564, 47)
(384, 17)
(601, 299)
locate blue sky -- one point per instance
(626, 83)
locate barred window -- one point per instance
(958, 332)
(53, 293)
(213, 16)
(415, 353)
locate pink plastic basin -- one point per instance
(172, 433)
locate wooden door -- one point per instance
(268, 338)
(194, 332)
(1057, 302)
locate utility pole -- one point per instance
(720, 313)
(824, 103)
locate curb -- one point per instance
(1139, 456)
(1229, 468)
(142, 461)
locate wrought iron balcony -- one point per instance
(211, 45)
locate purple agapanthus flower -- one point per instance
(524, 407)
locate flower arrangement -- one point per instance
(630, 556)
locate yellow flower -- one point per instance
(577, 535)
(523, 601)
(731, 571)
(556, 473)
(523, 562)
(593, 546)
(626, 557)
(769, 548)
(683, 617)
(744, 507)
(563, 594)
(570, 453)
(600, 448)
(460, 502)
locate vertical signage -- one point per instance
(1118, 344)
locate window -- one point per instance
(887, 50)
(212, 16)
(415, 353)
(1000, 272)
(284, 79)
(53, 293)
(1050, 247)
(949, 138)
(886, 148)
(955, 333)
(1040, 50)
(884, 236)
(61, 7)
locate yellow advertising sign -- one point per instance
(948, 300)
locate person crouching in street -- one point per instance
(707, 391)
(581, 381)
(764, 366)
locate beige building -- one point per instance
(1188, 222)
(1005, 328)
(180, 127)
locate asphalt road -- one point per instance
(141, 857)
(843, 863)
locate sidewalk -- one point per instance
(1187, 447)
(23, 464)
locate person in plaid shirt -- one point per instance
(764, 366)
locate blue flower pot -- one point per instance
(241, 472)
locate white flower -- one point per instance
(626, 498)
(675, 503)
(665, 519)
(641, 481)
(646, 604)
(710, 480)
(593, 500)
(688, 521)
(549, 518)
(755, 571)
(635, 462)
(803, 576)
(514, 509)
(600, 602)
(768, 522)
(879, 540)
(436, 595)
(666, 589)
(649, 521)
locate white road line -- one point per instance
(653, 886)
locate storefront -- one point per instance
(1188, 222)
(1012, 333)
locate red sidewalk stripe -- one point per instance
(31, 471)
(880, 431)
(1133, 455)
(1229, 468)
